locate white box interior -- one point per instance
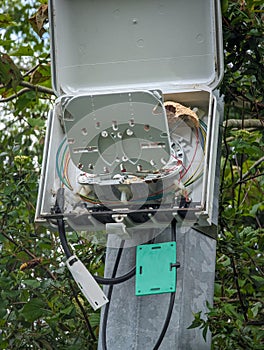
(200, 191)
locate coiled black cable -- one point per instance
(115, 280)
(99, 279)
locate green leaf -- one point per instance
(224, 6)
(256, 207)
(205, 330)
(5, 20)
(68, 310)
(42, 75)
(3, 312)
(35, 309)
(197, 322)
(36, 122)
(25, 100)
(46, 345)
(9, 72)
(255, 309)
(94, 319)
(258, 279)
(32, 283)
(25, 50)
(217, 289)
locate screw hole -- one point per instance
(146, 127)
(84, 131)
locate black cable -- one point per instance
(109, 295)
(120, 279)
(116, 280)
(63, 238)
(110, 291)
(68, 253)
(167, 322)
(172, 297)
(173, 230)
(99, 279)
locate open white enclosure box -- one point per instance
(132, 140)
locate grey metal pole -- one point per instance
(135, 322)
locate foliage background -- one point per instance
(40, 307)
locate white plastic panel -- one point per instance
(125, 132)
(124, 45)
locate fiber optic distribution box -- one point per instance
(133, 135)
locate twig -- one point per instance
(83, 312)
(243, 307)
(28, 252)
(259, 161)
(250, 178)
(241, 160)
(227, 154)
(31, 70)
(19, 93)
(243, 96)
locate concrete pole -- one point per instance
(135, 323)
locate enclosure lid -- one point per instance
(121, 45)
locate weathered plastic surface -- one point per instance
(115, 45)
(113, 132)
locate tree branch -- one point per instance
(31, 70)
(88, 324)
(235, 300)
(243, 307)
(19, 93)
(28, 87)
(246, 123)
(243, 96)
(255, 323)
(259, 161)
(226, 158)
(37, 88)
(28, 252)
